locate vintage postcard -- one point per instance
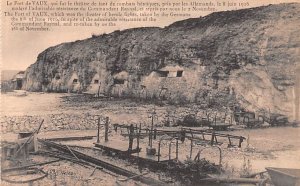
(160, 92)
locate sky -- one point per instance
(20, 49)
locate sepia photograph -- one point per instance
(160, 92)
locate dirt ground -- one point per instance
(267, 147)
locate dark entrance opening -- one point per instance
(119, 81)
(179, 73)
(96, 81)
(19, 84)
(163, 73)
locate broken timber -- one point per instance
(63, 156)
(29, 139)
(104, 164)
(72, 138)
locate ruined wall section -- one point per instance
(175, 89)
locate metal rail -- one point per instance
(104, 164)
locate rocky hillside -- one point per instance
(244, 57)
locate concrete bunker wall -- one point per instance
(100, 82)
(18, 80)
(74, 84)
(169, 83)
(95, 85)
(120, 84)
(57, 84)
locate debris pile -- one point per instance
(192, 171)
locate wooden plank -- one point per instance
(72, 138)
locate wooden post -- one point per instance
(35, 142)
(230, 145)
(131, 137)
(197, 157)
(149, 142)
(99, 90)
(116, 128)
(216, 119)
(212, 138)
(151, 131)
(192, 133)
(106, 129)
(155, 133)
(191, 151)
(182, 135)
(177, 149)
(138, 142)
(26, 151)
(98, 131)
(170, 147)
(207, 115)
(158, 154)
(138, 138)
(240, 142)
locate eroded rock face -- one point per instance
(246, 57)
(255, 91)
